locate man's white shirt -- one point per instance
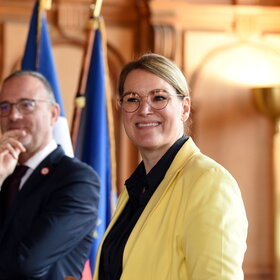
(36, 159)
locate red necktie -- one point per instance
(11, 185)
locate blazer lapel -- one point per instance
(44, 168)
(180, 161)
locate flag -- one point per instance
(93, 141)
(38, 57)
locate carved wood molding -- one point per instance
(171, 20)
(165, 40)
(71, 14)
(214, 17)
(14, 10)
(68, 18)
(1, 49)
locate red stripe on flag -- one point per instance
(87, 272)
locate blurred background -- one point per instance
(230, 54)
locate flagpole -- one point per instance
(94, 132)
(43, 5)
(110, 117)
(80, 98)
(39, 18)
(94, 23)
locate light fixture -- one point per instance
(267, 101)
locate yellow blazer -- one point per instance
(194, 226)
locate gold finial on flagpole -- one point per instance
(46, 4)
(268, 101)
(92, 26)
(97, 8)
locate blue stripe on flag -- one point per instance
(47, 68)
(93, 145)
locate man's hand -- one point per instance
(10, 149)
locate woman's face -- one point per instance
(148, 128)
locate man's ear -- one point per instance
(55, 112)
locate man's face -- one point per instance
(36, 124)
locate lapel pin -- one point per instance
(45, 171)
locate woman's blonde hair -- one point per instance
(160, 66)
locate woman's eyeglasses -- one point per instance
(157, 99)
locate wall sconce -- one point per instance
(267, 101)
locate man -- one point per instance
(46, 231)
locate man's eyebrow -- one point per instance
(21, 99)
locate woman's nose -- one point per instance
(145, 106)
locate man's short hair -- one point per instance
(36, 75)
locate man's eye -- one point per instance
(4, 107)
(27, 105)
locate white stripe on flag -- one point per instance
(62, 136)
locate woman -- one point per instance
(180, 215)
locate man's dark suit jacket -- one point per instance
(49, 230)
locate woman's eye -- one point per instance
(159, 98)
(132, 99)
